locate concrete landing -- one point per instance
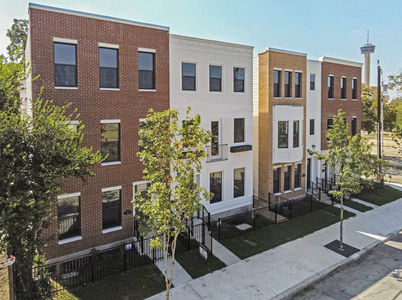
(180, 276)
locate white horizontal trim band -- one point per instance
(105, 45)
(110, 121)
(111, 188)
(69, 195)
(146, 50)
(62, 40)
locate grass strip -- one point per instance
(356, 205)
(380, 196)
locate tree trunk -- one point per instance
(341, 226)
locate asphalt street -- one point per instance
(377, 275)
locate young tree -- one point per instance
(369, 106)
(37, 155)
(171, 155)
(18, 34)
(352, 161)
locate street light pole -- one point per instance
(379, 117)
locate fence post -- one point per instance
(188, 243)
(154, 254)
(254, 218)
(92, 269)
(311, 200)
(269, 201)
(124, 257)
(219, 230)
(319, 194)
(276, 213)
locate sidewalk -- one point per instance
(286, 269)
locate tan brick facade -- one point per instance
(284, 61)
(127, 104)
(352, 108)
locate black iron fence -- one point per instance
(97, 265)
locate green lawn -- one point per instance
(197, 266)
(268, 237)
(356, 205)
(138, 283)
(380, 196)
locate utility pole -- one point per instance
(379, 72)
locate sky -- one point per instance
(334, 28)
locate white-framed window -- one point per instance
(146, 70)
(108, 67)
(298, 84)
(343, 87)
(283, 134)
(65, 64)
(277, 83)
(215, 78)
(312, 82)
(110, 141)
(238, 77)
(189, 76)
(330, 87)
(111, 207)
(312, 129)
(239, 130)
(354, 88)
(296, 134)
(69, 215)
(238, 182)
(215, 186)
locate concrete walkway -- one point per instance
(180, 276)
(288, 268)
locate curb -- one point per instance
(324, 273)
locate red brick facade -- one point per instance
(352, 108)
(127, 104)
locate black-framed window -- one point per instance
(65, 64)
(146, 73)
(312, 126)
(69, 217)
(188, 76)
(238, 182)
(239, 130)
(277, 180)
(277, 83)
(329, 124)
(296, 133)
(354, 126)
(111, 208)
(298, 85)
(288, 84)
(215, 138)
(354, 88)
(297, 179)
(331, 87)
(312, 82)
(238, 74)
(108, 68)
(343, 87)
(215, 78)
(215, 186)
(283, 129)
(286, 178)
(110, 141)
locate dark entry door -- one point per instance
(308, 172)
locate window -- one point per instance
(283, 127)
(297, 178)
(311, 126)
(68, 208)
(215, 186)
(108, 68)
(286, 178)
(110, 141)
(215, 78)
(312, 82)
(65, 65)
(288, 84)
(343, 88)
(188, 74)
(298, 85)
(238, 130)
(329, 124)
(277, 83)
(354, 88)
(238, 80)
(111, 208)
(238, 184)
(146, 74)
(331, 87)
(215, 138)
(354, 126)
(277, 180)
(296, 130)
(141, 188)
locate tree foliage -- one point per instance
(17, 34)
(369, 115)
(171, 155)
(37, 155)
(395, 82)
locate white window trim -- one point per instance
(222, 185)
(297, 189)
(66, 87)
(289, 70)
(69, 195)
(110, 163)
(222, 91)
(277, 194)
(70, 240)
(110, 121)
(106, 45)
(146, 50)
(309, 81)
(196, 91)
(298, 71)
(116, 228)
(74, 122)
(287, 191)
(65, 41)
(108, 189)
(245, 89)
(277, 69)
(146, 90)
(109, 89)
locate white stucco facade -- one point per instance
(313, 112)
(222, 106)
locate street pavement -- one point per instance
(281, 272)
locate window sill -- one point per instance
(297, 189)
(288, 98)
(109, 89)
(331, 98)
(66, 87)
(112, 229)
(287, 192)
(277, 194)
(277, 97)
(110, 163)
(344, 99)
(70, 240)
(354, 99)
(299, 97)
(146, 90)
(239, 92)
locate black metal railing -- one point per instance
(217, 153)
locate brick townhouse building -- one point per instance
(112, 71)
